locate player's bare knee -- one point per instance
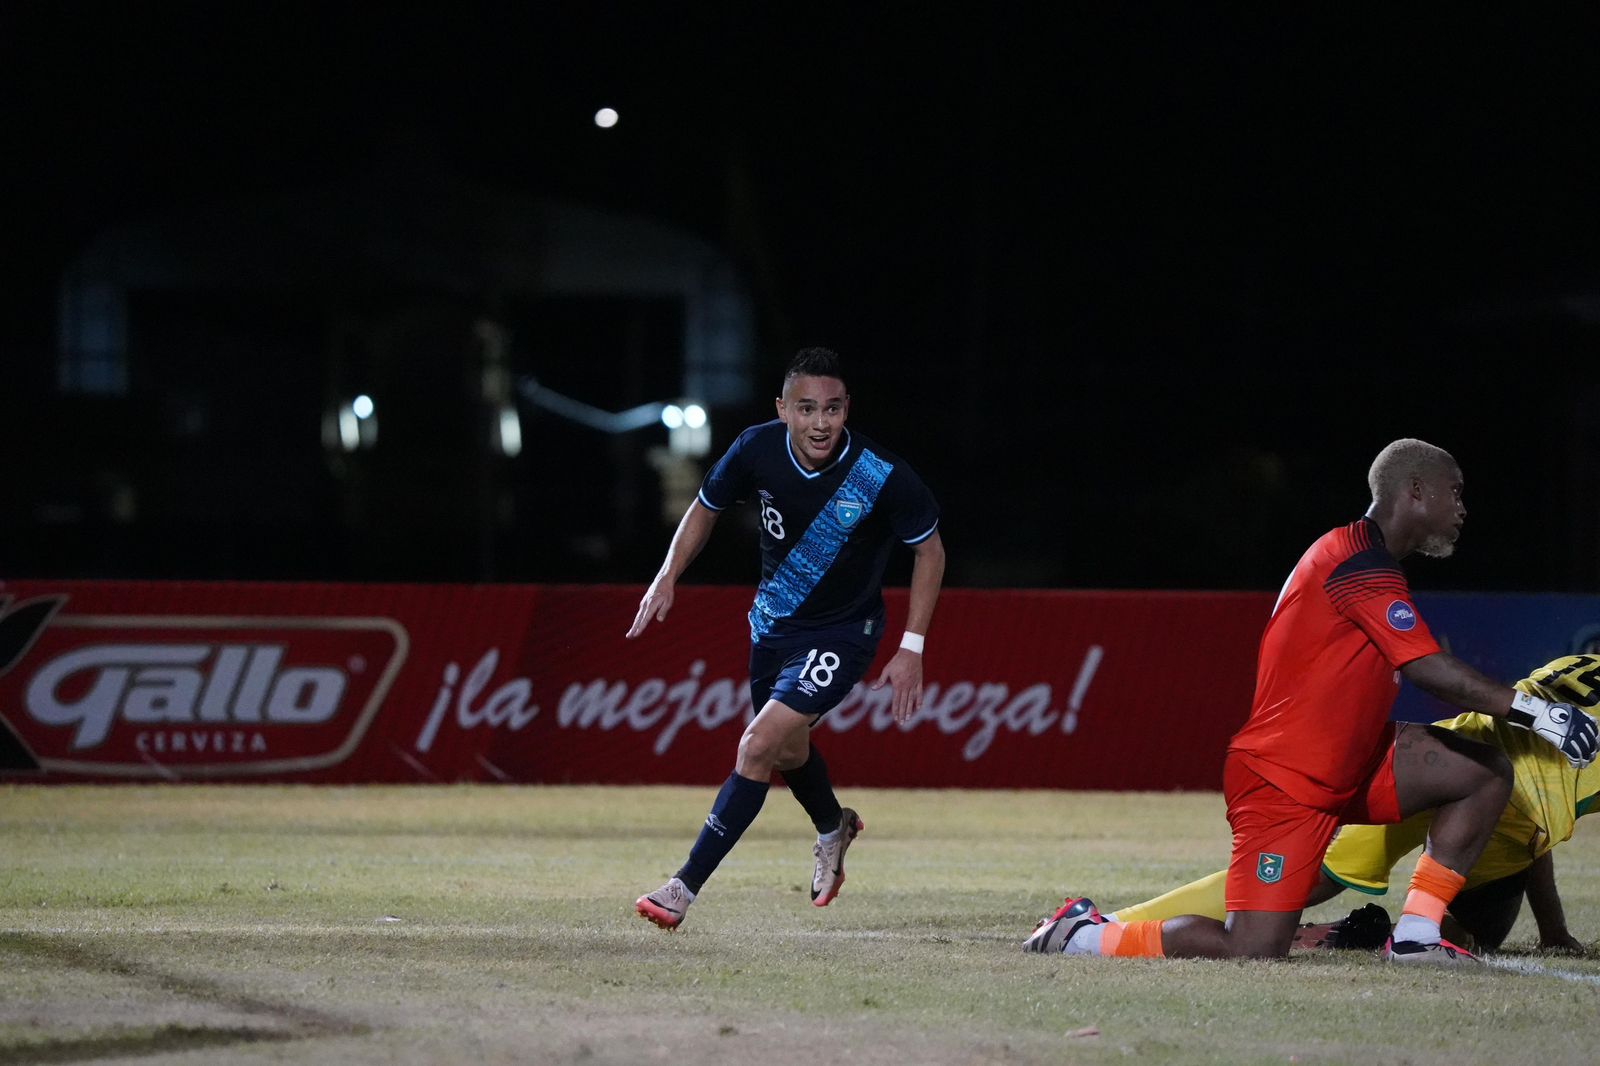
(758, 755)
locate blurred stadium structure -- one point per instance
(409, 359)
(1140, 319)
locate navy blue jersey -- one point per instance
(825, 534)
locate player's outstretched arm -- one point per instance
(1545, 903)
(1567, 728)
(692, 534)
(1444, 676)
(904, 672)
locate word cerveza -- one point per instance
(181, 684)
(655, 704)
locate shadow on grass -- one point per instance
(132, 1043)
(302, 1021)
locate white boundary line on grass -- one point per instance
(1515, 965)
(384, 924)
(1528, 966)
(888, 934)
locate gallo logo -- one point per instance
(189, 696)
(1402, 616)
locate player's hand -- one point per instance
(1562, 943)
(1570, 730)
(656, 603)
(904, 675)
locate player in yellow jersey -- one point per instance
(1547, 798)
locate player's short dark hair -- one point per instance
(815, 363)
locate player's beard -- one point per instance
(1438, 546)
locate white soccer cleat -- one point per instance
(1443, 953)
(827, 877)
(1052, 933)
(667, 905)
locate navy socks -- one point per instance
(736, 807)
(810, 784)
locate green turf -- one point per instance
(495, 924)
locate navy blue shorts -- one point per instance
(811, 672)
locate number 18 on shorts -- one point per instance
(809, 673)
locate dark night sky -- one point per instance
(1140, 293)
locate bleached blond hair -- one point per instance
(1401, 461)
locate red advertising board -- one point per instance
(352, 683)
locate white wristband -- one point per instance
(911, 641)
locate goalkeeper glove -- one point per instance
(1563, 725)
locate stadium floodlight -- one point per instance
(350, 425)
(510, 432)
(349, 428)
(672, 416)
(355, 425)
(606, 117)
(691, 434)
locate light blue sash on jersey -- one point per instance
(808, 561)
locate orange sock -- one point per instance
(1433, 886)
(1132, 940)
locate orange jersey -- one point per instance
(1329, 668)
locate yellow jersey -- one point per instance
(1547, 797)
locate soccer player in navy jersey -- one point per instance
(832, 503)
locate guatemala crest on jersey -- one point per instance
(1269, 868)
(848, 512)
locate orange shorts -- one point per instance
(1278, 842)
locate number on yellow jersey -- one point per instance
(1574, 679)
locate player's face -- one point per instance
(1443, 512)
(814, 409)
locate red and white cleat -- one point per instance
(827, 877)
(667, 905)
(1052, 933)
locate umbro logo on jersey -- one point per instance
(1402, 616)
(848, 512)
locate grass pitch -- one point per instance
(495, 924)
